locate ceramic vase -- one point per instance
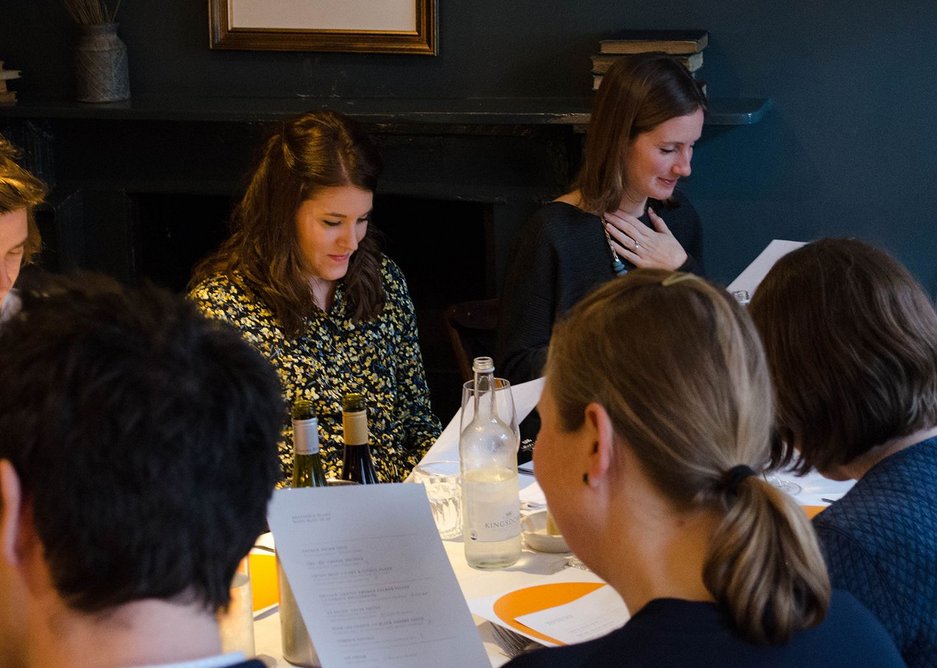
(101, 64)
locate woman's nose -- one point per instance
(350, 239)
(682, 165)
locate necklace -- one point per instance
(617, 265)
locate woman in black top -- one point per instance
(624, 211)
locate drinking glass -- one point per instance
(443, 489)
(504, 405)
(783, 484)
(236, 624)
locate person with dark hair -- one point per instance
(20, 194)
(649, 463)
(625, 209)
(137, 458)
(851, 340)
(303, 278)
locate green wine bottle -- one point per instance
(307, 462)
(357, 464)
(307, 472)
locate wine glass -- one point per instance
(504, 405)
(783, 484)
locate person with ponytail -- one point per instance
(851, 341)
(649, 456)
(303, 278)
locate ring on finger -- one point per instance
(637, 246)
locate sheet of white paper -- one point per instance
(590, 616)
(751, 277)
(371, 577)
(526, 396)
(484, 606)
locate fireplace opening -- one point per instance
(443, 247)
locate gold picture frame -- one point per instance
(364, 26)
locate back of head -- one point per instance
(307, 153)
(851, 340)
(638, 93)
(20, 190)
(678, 367)
(144, 437)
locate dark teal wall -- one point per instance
(848, 148)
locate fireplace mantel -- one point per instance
(386, 112)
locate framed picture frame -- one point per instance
(368, 26)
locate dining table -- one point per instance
(813, 492)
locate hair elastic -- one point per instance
(677, 277)
(734, 476)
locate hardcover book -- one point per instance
(679, 42)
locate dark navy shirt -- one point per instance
(880, 544)
(671, 632)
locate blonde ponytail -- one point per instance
(679, 368)
(764, 563)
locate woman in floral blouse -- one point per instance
(306, 285)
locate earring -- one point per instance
(585, 478)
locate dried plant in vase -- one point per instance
(101, 71)
(91, 12)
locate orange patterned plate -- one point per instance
(537, 598)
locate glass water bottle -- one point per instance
(488, 456)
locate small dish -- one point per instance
(534, 528)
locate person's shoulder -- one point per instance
(217, 284)
(557, 220)
(391, 269)
(589, 653)
(851, 626)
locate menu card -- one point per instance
(371, 577)
(753, 274)
(592, 615)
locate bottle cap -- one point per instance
(483, 365)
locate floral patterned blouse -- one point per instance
(334, 355)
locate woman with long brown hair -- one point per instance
(648, 455)
(625, 209)
(306, 283)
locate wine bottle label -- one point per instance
(306, 436)
(356, 427)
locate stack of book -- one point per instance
(684, 45)
(7, 96)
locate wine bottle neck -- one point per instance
(306, 436)
(355, 426)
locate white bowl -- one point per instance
(534, 528)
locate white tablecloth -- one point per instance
(530, 570)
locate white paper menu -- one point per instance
(753, 274)
(591, 616)
(371, 577)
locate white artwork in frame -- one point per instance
(374, 26)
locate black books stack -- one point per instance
(684, 45)
(7, 96)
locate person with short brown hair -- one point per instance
(851, 339)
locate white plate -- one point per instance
(536, 537)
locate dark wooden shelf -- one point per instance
(469, 112)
